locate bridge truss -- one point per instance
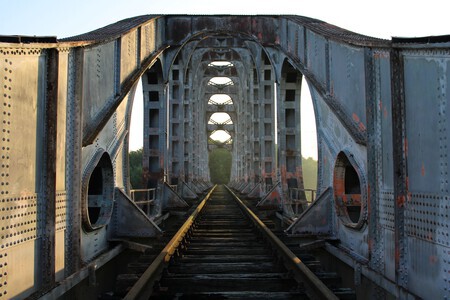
(382, 135)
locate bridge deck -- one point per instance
(223, 253)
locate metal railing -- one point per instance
(294, 194)
(297, 200)
(144, 198)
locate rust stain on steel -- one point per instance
(370, 244)
(433, 259)
(405, 143)
(339, 185)
(362, 127)
(401, 201)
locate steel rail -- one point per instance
(142, 289)
(291, 261)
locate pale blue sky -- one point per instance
(382, 18)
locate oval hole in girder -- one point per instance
(347, 190)
(99, 197)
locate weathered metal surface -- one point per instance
(49, 169)
(129, 220)
(74, 136)
(400, 165)
(426, 162)
(317, 219)
(112, 31)
(383, 104)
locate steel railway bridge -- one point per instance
(381, 111)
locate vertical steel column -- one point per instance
(196, 128)
(175, 123)
(277, 108)
(289, 140)
(188, 165)
(203, 144)
(49, 182)
(166, 130)
(73, 160)
(260, 136)
(282, 132)
(298, 172)
(239, 141)
(255, 124)
(268, 152)
(154, 125)
(249, 128)
(400, 165)
(372, 119)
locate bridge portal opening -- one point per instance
(221, 137)
(308, 140)
(221, 65)
(220, 118)
(347, 190)
(220, 99)
(135, 137)
(100, 194)
(220, 165)
(220, 82)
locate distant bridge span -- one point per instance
(381, 111)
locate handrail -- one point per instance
(325, 193)
(146, 203)
(147, 191)
(296, 191)
(142, 289)
(291, 260)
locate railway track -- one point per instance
(223, 251)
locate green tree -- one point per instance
(136, 178)
(220, 165)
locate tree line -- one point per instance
(220, 168)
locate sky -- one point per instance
(382, 18)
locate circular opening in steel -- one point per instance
(100, 194)
(348, 191)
